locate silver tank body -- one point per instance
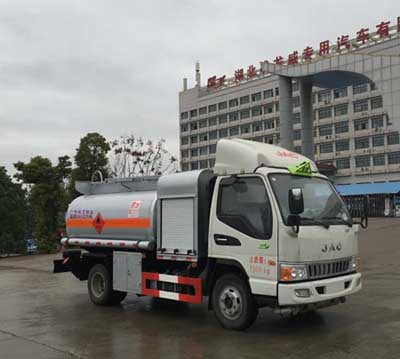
(126, 215)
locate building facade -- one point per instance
(355, 128)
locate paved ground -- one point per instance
(43, 315)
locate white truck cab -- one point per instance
(263, 228)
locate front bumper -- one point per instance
(320, 290)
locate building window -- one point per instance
(194, 152)
(342, 163)
(256, 111)
(194, 126)
(342, 109)
(342, 145)
(393, 138)
(193, 113)
(269, 124)
(257, 126)
(268, 93)
(203, 164)
(184, 128)
(184, 115)
(258, 139)
(296, 118)
(202, 110)
(212, 121)
(185, 153)
(361, 143)
(212, 108)
(194, 165)
(212, 149)
(233, 116)
(324, 96)
(295, 85)
(269, 108)
(194, 139)
(184, 140)
(297, 135)
(341, 127)
(223, 133)
(234, 131)
(378, 160)
(203, 137)
(269, 139)
(360, 88)
(244, 100)
(296, 101)
(244, 114)
(338, 93)
(297, 149)
(360, 106)
(202, 123)
(245, 129)
(256, 97)
(234, 102)
(326, 147)
(325, 130)
(222, 119)
(363, 161)
(211, 163)
(377, 121)
(325, 112)
(204, 151)
(393, 158)
(222, 105)
(378, 141)
(361, 124)
(376, 102)
(213, 135)
(276, 91)
(276, 106)
(185, 167)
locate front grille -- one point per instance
(328, 268)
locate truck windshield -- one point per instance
(321, 202)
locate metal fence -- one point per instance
(355, 205)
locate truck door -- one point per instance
(243, 229)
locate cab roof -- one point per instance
(243, 156)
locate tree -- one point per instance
(47, 196)
(132, 156)
(13, 215)
(91, 155)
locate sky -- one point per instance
(69, 67)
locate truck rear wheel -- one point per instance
(100, 287)
(233, 303)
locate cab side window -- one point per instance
(244, 205)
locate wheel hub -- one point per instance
(230, 302)
(98, 285)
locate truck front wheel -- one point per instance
(233, 303)
(100, 287)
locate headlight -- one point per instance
(355, 264)
(292, 272)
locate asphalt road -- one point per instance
(43, 315)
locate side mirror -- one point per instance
(296, 201)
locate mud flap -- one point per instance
(60, 266)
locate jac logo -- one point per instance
(331, 248)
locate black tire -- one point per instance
(233, 304)
(100, 287)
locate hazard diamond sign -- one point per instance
(98, 223)
(302, 169)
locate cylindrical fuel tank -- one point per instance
(128, 216)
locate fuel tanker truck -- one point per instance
(262, 228)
